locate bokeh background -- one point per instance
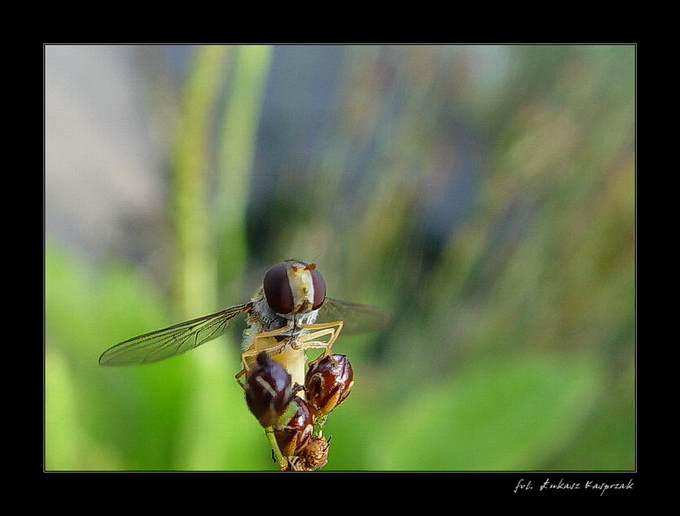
(484, 195)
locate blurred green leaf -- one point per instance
(143, 417)
(511, 414)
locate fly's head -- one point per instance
(293, 288)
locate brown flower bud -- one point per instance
(328, 382)
(268, 390)
(294, 434)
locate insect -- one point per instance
(289, 314)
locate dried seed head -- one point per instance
(314, 455)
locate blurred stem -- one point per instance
(205, 443)
(195, 268)
(200, 224)
(236, 153)
(278, 456)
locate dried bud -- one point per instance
(268, 390)
(312, 457)
(328, 382)
(294, 434)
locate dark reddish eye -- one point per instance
(319, 288)
(277, 289)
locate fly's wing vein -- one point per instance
(171, 341)
(357, 317)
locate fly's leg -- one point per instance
(255, 350)
(311, 340)
(304, 341)
(238, 377)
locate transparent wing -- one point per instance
(174, 340)
(357, 318)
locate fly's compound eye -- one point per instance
(294, 435)
(328, 383)
(277, 289)
(319, 287)
(268, 390)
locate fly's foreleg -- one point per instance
(318, 336)
(320, 331)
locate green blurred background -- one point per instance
(484, 195)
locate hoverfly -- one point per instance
(289, 314)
